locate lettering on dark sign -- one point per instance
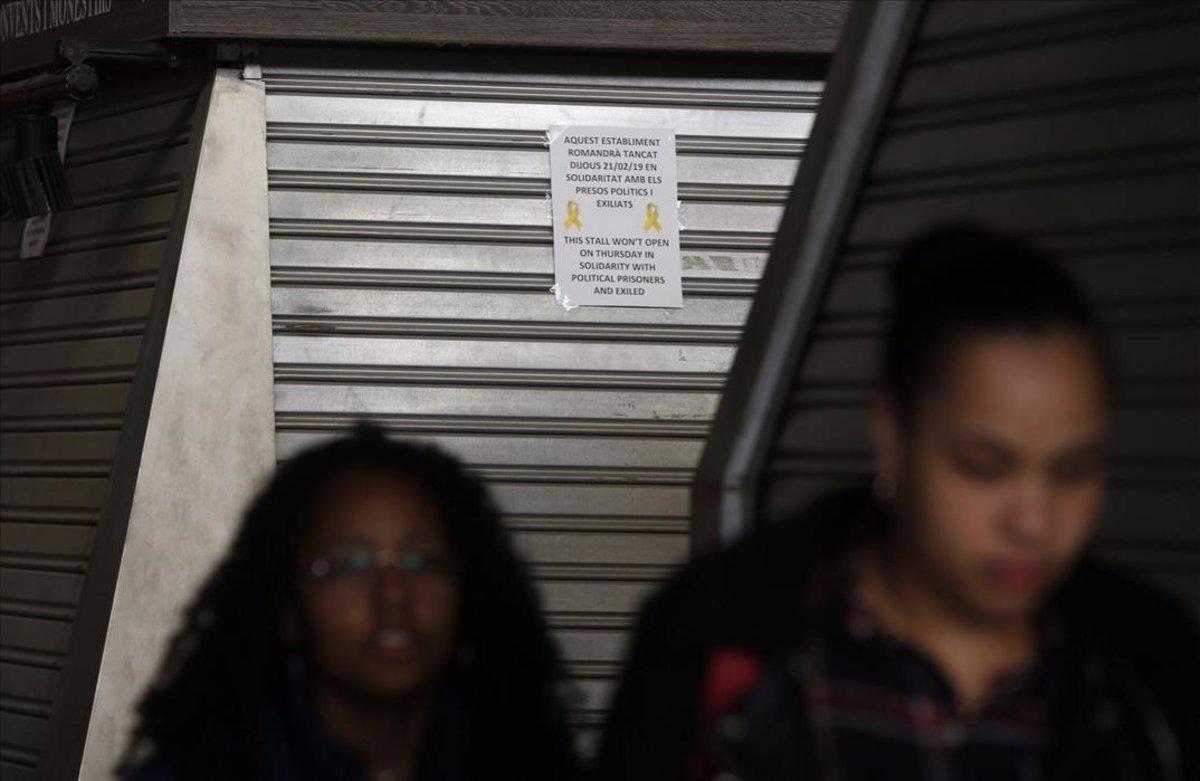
(21, 18)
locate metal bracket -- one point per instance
(252, 71)
(76, 83)
(78, 50)
(234, 53)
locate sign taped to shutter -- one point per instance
(616, 217)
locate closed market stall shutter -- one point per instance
(71, 325)
(411, 258)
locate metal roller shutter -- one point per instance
(1075, 125)
(72, 323)
(411, 256)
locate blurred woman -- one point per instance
(946, 622)
(369, 622)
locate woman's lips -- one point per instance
(1017, 576)
(394, 642)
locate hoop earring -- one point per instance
(884, 487)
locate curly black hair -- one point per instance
(227, 663)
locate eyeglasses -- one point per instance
(360, 565)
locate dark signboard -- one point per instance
(30, 29)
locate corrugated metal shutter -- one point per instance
(411, 255)
(72, 324)
(1075, 125)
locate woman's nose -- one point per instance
(1032, 518)
(391, 585)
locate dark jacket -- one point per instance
(292, 746)
(1133, 711)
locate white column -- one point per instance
(209, 440)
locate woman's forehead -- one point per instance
(1040, 384)
(376, 507)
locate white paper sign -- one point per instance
(37, 229)
(35, 236)
(616, 222)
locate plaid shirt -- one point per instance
(878, 708)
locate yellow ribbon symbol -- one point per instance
(652, 218)
(573, 216)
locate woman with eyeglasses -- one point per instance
(369, 622)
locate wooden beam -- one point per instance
(790, 27)
(31, 29)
